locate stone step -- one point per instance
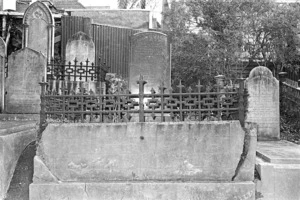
(144, 190)
(278, 164)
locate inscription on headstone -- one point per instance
(2, 73)
(263, 103)
(26, 69)
(39, 29)
(150, 57)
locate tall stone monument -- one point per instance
(81, 47)
(2, 73)
(38, 33)
(263, 103)
(150, 57)
(26, 69)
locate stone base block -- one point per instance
(278, 164)
(143, 191)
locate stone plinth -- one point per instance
(14, 137)
(278, 164)
(263, 103)
(143, 191)
(149, 57)
(148, 151)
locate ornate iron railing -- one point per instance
(203, 104)
(76, 71)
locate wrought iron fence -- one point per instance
(194, 105)
(289, 91)
(76, 71)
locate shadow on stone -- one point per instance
(19, 186)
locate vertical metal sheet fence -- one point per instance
(112, 44)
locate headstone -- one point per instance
(150, 57)
(81, 47)
(263, 103)
(2, 73)
(39, 29)
(26, 69)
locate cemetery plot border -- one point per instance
(121, 107)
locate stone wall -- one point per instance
(145, 152)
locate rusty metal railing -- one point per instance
(217, 103)
(76, 71)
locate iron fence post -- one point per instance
(141, 83)
(241, 101)
(43, 117)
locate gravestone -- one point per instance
(39, 29)
(150, 57)
(2, 73)
(81, 47)
(263, 103)
(26, 69)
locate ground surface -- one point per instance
(19, 187)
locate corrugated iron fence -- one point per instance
(112, 44)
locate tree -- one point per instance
(213, 37)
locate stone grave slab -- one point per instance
(2, 73)
(279, 152)
(278, 165)
(26, 69)
(263, 103)
(150, 57)
(39, 29)
(147, 151)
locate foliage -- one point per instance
(115, 84)
(213, 37)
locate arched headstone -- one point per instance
(39, 29)
(150, 57)
(25, 72)
(2, 73)
(81, 47)
(263, 103)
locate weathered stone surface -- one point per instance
(81, 47)
(13, 141)
(2, 73)
(39, 29)
(279, 152)
(245, 172)
(263, 103)
(42, 173)
(150, 57)
(145, 151)
(144, 191)
(26, 69)
(279, 169)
